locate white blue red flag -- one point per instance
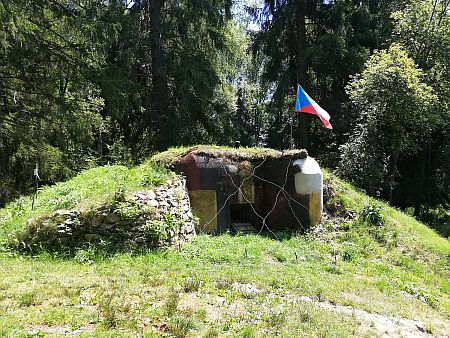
(305, 104)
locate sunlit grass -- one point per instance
(399, 268)
(169, 157)
(92, 187)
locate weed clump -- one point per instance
(371, 214)
(107, 308)
(27, 299)
(212, 333)
(224, 283)
(171, 302)
(192, 284)
(180, 326)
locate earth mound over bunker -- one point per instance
(249, 189)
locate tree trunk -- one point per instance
(394, 160)
(302, 77)
(159, 95)
(419, 198)
(155, 7)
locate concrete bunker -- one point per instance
(240, 191)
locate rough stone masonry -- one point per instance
(145, 219)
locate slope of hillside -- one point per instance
(91, 188)
(367, 270)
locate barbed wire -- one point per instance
(282, 189)
(263, 219)
(235, 192)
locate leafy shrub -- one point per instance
(62, 198)
(162, 229)
(156, 176)
(89, 253)
(349, 252)
(128, 210)
(18, 207)
(371, 214)
(372, 219)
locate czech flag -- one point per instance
(305, 104)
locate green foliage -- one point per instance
(345, 32)
(349, 252)
(350, 265)
(423, 29)
(421, 294)
(192, 284)
(107, 308)
(128, 210)
(27, 299)
(157, 230)
(171, 302)
(51, 110)
(248, 332)
(439, 219)
(396, 110)
(170, 157)
(157, 175)
(372, 214)
(91, 83)
(275, 319)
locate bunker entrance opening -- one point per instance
(242, 218)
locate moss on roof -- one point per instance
(170, 157)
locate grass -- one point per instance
(369, 256)
(171, 156)
(92, 187)
(134, 295)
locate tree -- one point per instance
(49, 110)
(96, 81)
(318, 44)
(397, 114)
(423, 28)
(192, 51)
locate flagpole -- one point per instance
(292, 122)
(291, 138)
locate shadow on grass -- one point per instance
(278, 235)
(87, 252)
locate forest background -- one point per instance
(86, 83)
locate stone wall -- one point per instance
(145, 219)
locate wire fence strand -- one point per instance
(282, 190)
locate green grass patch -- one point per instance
(170, 157)
(157, 292)
(368, 256)
(91, 188)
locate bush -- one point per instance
(162, 230)
(349, 252)
(371, 214)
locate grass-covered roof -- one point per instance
(170, 157)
